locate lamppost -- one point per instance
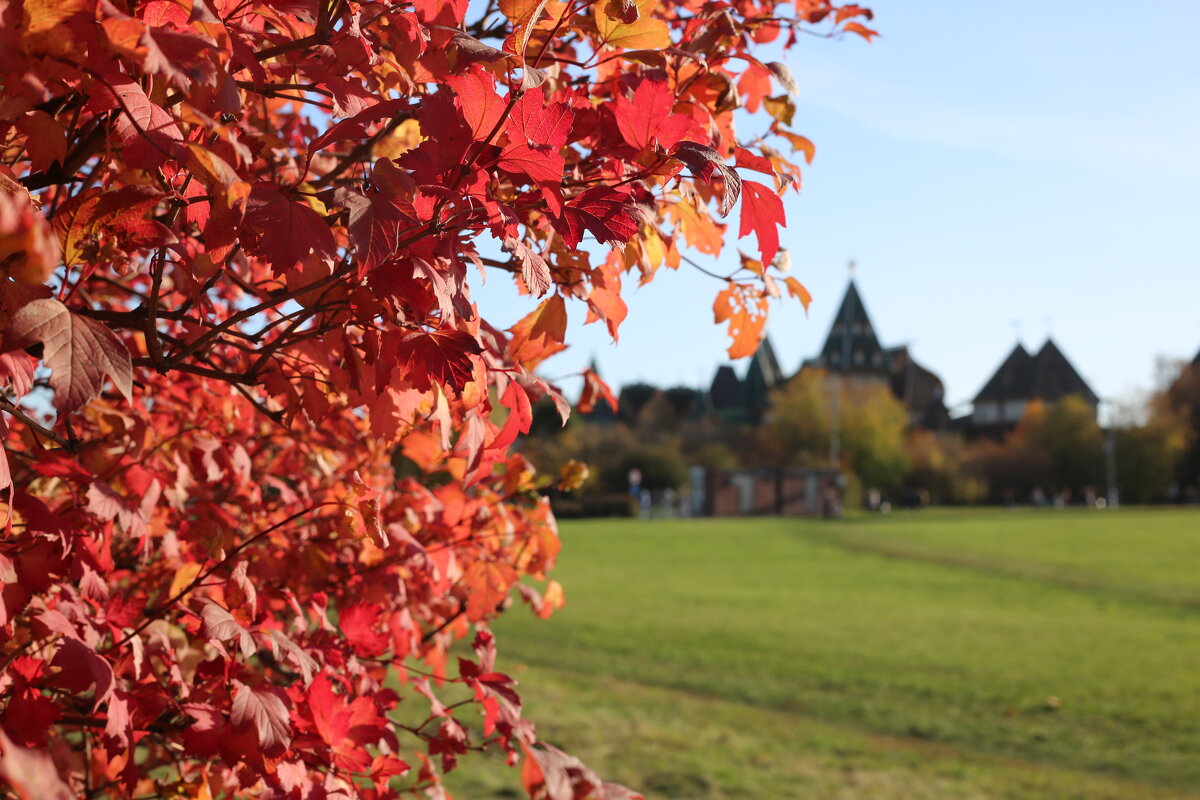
(1112, 498)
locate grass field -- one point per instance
(935, 655)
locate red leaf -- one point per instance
(265, 711)
(520, 415)
(355, 128)
(346, 727)
(747, 160)
(607, 213)
(284, 232)
(147, 135)
(79, 352)
(442, 356)
(46, 142)
(762, 210)
(358, 623)
(476, 98)
(648, 117)
(82, 667)
(375, 224)
(542, 164)
(535, 123)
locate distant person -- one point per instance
(635, 482)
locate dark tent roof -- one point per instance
(685, 401)
(726, 389)
(1046, 376)
(852, 326)
(762, 376)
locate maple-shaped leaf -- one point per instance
(147, 135)
(703, 162)
(762, 211)
(358, 624)
(745, 310)
(264, 710)
(441, 356)
(488, 584)
(647, 118)
(375, 223)
(543, 164)
(282, 231)
(540, 333)
(646, 31)
(608, 214)
(476, 98)
(79, 351)
(346, 727)
(535, 122)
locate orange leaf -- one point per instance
(540, 333)
(487, 584)
(645, 32)
(746, 316)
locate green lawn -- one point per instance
(935, 655)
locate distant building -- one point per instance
(745, 400)
(1021, 379)
(852, 350)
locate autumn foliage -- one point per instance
(237, 238)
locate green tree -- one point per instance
(1148, 455)
(872, 424)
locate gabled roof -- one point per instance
(852, 337)
(1012, 380)
(764, 364)
(1054, 377)
(1046, 376)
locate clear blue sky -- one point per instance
(998, 170)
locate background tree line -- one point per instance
(1058, 450)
